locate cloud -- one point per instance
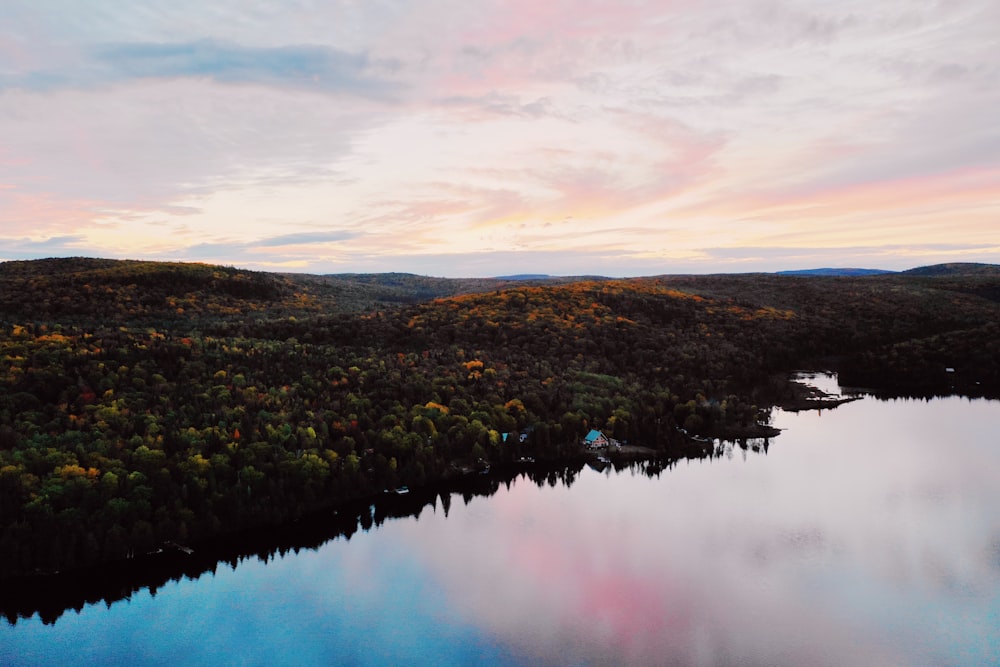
(301, 250)
(493, 103)
(28, 213)
(304, 238)
(202, 251)
(318, 68)
(55, 246)
(181, 210)
(896, 257)
(73, 158)
(315, 68)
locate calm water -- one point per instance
(869, 534)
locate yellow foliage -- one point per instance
(73, 470)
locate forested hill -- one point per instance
(189, 295)
(833, 272)
(145, 402)
(394, 289)
(956, 269)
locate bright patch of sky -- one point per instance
(502, 136)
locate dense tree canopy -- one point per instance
(142, 403)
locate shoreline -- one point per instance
(800, 396)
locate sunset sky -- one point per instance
(476, 138)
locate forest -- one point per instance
(146, 403)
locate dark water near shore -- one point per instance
(869, 534)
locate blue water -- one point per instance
(869, 534)
(325, 607)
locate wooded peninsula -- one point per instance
(150, 403)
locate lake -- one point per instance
(868, 534)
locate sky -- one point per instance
(468, 138)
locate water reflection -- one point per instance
(858, 544)
(869, 534)
(51, 596)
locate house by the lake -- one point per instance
(595, 440)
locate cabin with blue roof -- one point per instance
(595, 439)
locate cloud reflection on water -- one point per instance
(858, 540)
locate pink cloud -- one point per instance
(34, 213)
(526, 44)
(600, 185)
(968, 193)
(512, 20)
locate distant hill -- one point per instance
(526, 276)
(404, 287)
(358, 291)
(151, 293)
(834, 272)
(956, 269)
